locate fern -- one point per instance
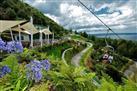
(130, 85)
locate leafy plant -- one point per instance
(70, 78)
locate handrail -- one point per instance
(63, 55)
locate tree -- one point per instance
(22, 14)
(92, 38)
(11, 13)
(122, 49)
(84, 34)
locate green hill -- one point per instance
(17, 10)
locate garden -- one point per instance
(42, 69)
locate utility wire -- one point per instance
(91, 11)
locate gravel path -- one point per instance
(75, 60)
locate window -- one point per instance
(22, 37)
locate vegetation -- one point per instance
(120, 62)
(41, 68)
(56, 50)
(122, 47)
(77, 37)
(61, 76)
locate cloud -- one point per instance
(120, 15)
(52, 17)
(40, 1)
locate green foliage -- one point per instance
(17, 86)
(27, 55)
(62, 77)
(56, 50)
(22, 13)
(77, 37)
(107, 84)
(129, 85)
(11, 61)
(16, 79)
(122, 47)
(119, 61)
(84, 34)
(71, 78)
(41, 87)
(11, 13)
(110, 70)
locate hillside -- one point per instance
(17, 10)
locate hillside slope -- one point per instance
(17, 10)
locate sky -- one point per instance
(119, 15)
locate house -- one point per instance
(22, 31)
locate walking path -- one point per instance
(76, 59)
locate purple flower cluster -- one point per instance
(4, 70)
(34, 69)
(45, 64)
(19, 47)
(2, 44)
(11, 47)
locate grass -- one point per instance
(78, 37)
(57, 49)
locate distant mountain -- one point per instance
(17, 10)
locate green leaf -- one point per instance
(25, 88)
(17, 88)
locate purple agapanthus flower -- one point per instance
(19, 47)
(4, 70)
(10, 47)
(36, 66)
(2, 45)
(45, 64)
(34, 69)
(37, 76)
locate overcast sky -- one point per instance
(120, 15)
